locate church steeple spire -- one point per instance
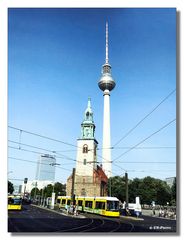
(88, 126)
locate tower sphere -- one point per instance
(106, 81)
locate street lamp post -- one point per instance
(126, 187)
(53, 193)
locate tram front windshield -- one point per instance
(112, 205)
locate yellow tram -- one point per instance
(14, 202)
(106, 206)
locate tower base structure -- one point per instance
(90, 186)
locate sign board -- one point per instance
(53, 200)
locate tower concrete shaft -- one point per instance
(106, 84)
(106, 148)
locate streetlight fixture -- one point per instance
(53, 193)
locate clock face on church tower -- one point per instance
(88, 132)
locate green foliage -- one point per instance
(10, 187)
(148, 189)
(116, 186)
(59, 189)
(35, 192)
(173, 191)
(47, 191)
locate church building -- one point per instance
(89, 178)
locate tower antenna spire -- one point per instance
(106, 52)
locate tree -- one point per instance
(173, 193)
(47, 191)
(163, 192)
(60, 189)
(135, 189)
(35, 192)
(10, 187)
(116, 186)
(148, 189)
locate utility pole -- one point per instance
(110, 186)
(25, 182)
(126, 188)
(73, 183)
(35, 191)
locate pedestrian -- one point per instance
(74, 207)
(160, 212)
(76, 210)
(67, 209)
(153, 211)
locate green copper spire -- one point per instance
(88, 126)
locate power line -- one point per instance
(25, 160)
(27, 145)
(52, 151)
(161, 147)
(42, 136)
(151, 162)
(147, 147)
(166, 125)
(26, 150)
(147, 115)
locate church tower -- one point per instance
(89, 179)
(87, 145)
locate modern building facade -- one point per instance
(106, 84)
(46, 168)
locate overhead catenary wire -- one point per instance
(146, 116)
(42, 153)
(131, 148)
(42, 136)
(151, 135)
(114, 159)
(156, 147)
(35, 162)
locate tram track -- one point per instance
(40, 220)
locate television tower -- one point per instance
(106, 84)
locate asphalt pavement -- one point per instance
(38, 219)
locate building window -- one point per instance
(85, 148)
(83, 192)
(84, 162)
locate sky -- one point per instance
(55, 58)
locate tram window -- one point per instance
(88, 204)
(58, 200)
(63, 201)
(68, 202)
(100, 205)
(80, 202)
(17, 201)
(112, 205)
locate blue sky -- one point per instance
(54, 64)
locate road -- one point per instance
(35, 219)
